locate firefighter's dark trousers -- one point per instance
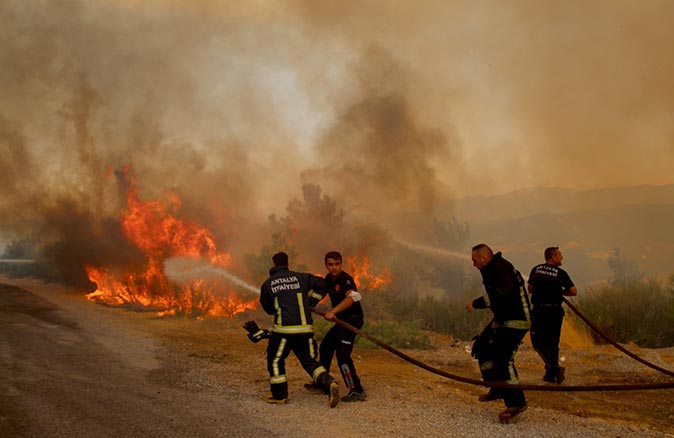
(546, 328)
(340, 341)
(304, 347)
(497, 362)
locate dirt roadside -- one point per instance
(212, 361)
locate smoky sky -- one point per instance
(397, 105)
(378, 154)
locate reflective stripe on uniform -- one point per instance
(312, 350)
(513, 323)
(317, 372)
(525, 306)
(316, 295)
(277, 379)
(514, 378)
(277, 358)
(523, 325)
(486, 365)
(300, 305)
(293, 329)
(279, 316)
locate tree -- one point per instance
(622, 268)
(259, 264)
(311, 223)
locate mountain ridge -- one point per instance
(529, 201)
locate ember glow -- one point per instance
(361, 271)
(155, 230)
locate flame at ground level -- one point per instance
(153, 290)
(154, 228)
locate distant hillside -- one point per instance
(528, 202)
(643, 233)
(587, 224)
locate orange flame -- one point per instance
(153, 228)
(360, 270)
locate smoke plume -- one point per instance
(392, 108)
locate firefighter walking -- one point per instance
(496, 346)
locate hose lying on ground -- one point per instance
(556, 388)
(613, 342)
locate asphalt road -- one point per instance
(64, 376)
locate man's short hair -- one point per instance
(483, 248)
(550, 252)
(335, 255)
(280, 259)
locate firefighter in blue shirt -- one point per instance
(547, 283)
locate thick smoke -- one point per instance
(574, 93)
(86, 91)
(379, 156)
(391, 107)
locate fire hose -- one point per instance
(608, 339)
(557, 388)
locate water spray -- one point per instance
(194, 268)
(432, 250)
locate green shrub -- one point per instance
(445, 315)
(449, 316)
(407, 334)
(397, 335)
(635, 310)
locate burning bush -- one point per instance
(154, 228)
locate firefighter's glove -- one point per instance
(475, 350)
(482, 343)
(255, 333)
(481, 346)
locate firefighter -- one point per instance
(345, 300)
(547, 283)
(285, 294)
(496, 346)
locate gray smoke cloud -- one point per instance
(539, 93)
(379, 156)
(394, 106)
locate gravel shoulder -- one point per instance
(212, 380)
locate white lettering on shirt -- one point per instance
(545, 270)
(284, 283)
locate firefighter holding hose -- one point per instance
(338, 341)
(285, 294)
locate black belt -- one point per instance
(547, 305)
